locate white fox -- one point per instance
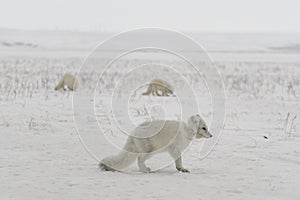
(68, 81)
(157, 85)
(150, 138)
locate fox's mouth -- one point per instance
(200, 135)
(208, 136)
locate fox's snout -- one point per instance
(210, 135)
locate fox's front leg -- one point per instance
(179, 166)
(176, 155)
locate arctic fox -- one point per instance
(157, 85)
(68, 81)
(150, 138)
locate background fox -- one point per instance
(150, 138)
(68, 81)
(157, 86)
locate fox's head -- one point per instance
(199, 126)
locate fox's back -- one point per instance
(69, 79)
(154, 135)
(161, 83)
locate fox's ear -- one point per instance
(194, 119)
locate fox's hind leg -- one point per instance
(59, 85)
(141, 163)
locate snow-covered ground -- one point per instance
(257, 156)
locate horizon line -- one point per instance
(118, 31)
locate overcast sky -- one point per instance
(188, 15)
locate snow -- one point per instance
(256, 157)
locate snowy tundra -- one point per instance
(256, 157)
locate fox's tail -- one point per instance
(149, 89)
(120, 161)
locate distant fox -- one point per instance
(157, 86)
(150, 138)
(68, 81)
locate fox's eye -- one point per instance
(204, 128)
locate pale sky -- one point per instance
(121, 15)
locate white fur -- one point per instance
(154, 137)
(68, 81)
(159, 88)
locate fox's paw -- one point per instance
(181, 169)
(146, 170)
